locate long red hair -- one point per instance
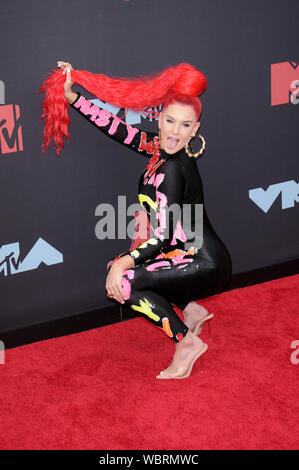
(181, 83)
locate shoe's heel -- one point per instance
(200, 324)
(210, 328)
(201, 358)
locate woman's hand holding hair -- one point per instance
(70, 96)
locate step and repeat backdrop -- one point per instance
(52, 259)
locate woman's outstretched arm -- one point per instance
(143, 142)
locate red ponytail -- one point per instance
(138, 94)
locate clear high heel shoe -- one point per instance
(199, 325)
(188, 371)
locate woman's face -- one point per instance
(177, 124)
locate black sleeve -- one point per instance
(146, 143)
(170, 186)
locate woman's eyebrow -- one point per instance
(167, 115)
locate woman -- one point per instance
(180, 262)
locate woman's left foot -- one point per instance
(188, 350)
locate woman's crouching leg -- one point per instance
(151, 305)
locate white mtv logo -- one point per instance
(132, 117)
(41, 252)
(289, 191)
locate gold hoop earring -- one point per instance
(195, 155)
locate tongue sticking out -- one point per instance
(171, 142)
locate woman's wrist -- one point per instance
(70, 97)
(126, 262)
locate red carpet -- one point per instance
(97, 389)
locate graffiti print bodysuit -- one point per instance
(183, 259)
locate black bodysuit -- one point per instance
(183, 259)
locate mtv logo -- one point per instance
(41, 252)
(11, 139)
(131, 117)
(289, 191)
(284, 83)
